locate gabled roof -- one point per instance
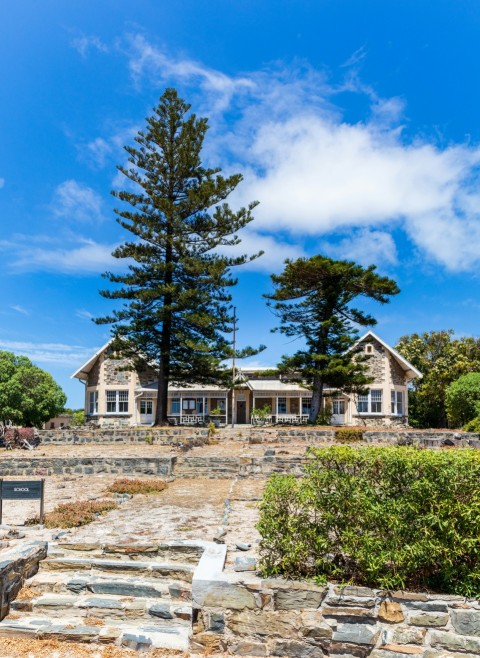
(83, 371)
(410, 370)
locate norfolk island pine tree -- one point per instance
(176, 311)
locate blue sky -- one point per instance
(355, 124)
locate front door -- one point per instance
(338, 412)
(241, 412)
(146, 412)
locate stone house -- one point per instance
(116, 396)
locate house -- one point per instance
(56, 423)
(115, 395)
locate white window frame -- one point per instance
(93, 403)
(306, 406)
(283, 402)
(397, 403)
(119, 398)
(337, 405)
(189, 405)
(148, 404)
(367, 403)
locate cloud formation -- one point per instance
(77, 203)
(52, 353)
(19, 309)
(316, 174)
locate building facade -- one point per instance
(115, 395)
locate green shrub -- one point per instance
(325, 415)
(393, 518)
(473, 425)
(462, 399)
(348, 434)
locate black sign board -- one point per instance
(22, 490)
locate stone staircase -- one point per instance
(130, 596)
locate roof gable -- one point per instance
(409, 369)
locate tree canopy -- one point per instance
(462, 399)
(28, 395)
(442, 359)
(176, 312)
(313, 298)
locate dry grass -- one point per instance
(128, 486)
(74, 515)
(27, 594)
(25, 648)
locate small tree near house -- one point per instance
(176, 306)
(313, 298)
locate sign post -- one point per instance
(23, 490)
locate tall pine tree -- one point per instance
(313, 298)
(176, 308)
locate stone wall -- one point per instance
(161, 436)
(162, 466)
(16, 565)
(247, 615)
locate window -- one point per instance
(282, 405)
(306, 406)
(175, 406)
(362, 404)
(376, 401)
(146, 407)
(338, 407)
(117, 402)
(189, 404)
(370, 403)
(93, 403)
(397, 403)
(199, 405)
(368, 349)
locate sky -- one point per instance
(355, 125)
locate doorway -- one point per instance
(241, 412)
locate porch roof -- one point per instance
(194, 389)
(277, 386)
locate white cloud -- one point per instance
(364, 246)
(84, 315)
(19, 309)
(88, 258)
(275, 251)
(53, 353)
(84, 43)
(77, 202)
(2, 182)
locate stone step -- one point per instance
(174, 551)
(109, 608)
(84, 582)
(176, 571)
(141, 636)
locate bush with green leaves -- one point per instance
(473, 425)
(462, 399)
(387, 517)
(348, 434)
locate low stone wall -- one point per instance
(246, 615)
(161, 436)
(162, 466)
(16, 565)
(198, 435)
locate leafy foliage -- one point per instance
(348, 434)
(176, 307)
(78, 418)
(473, 425)
(313, 298)
(28, 395)
(462, 399)
(138, 486)
(441, 359)
(74, 515)
(393, 518)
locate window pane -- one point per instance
(393, 403)
(111, 402)
(338, 407)
(175, 406)
(123, 401)
(282, 405)
(363, 404)
(400, 403)
(199, 405)
(306, 405)
(376, 401)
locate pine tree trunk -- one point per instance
(161, 412)
(317, 398)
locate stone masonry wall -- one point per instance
(162, 466)
(16, 565)
(256, 617)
